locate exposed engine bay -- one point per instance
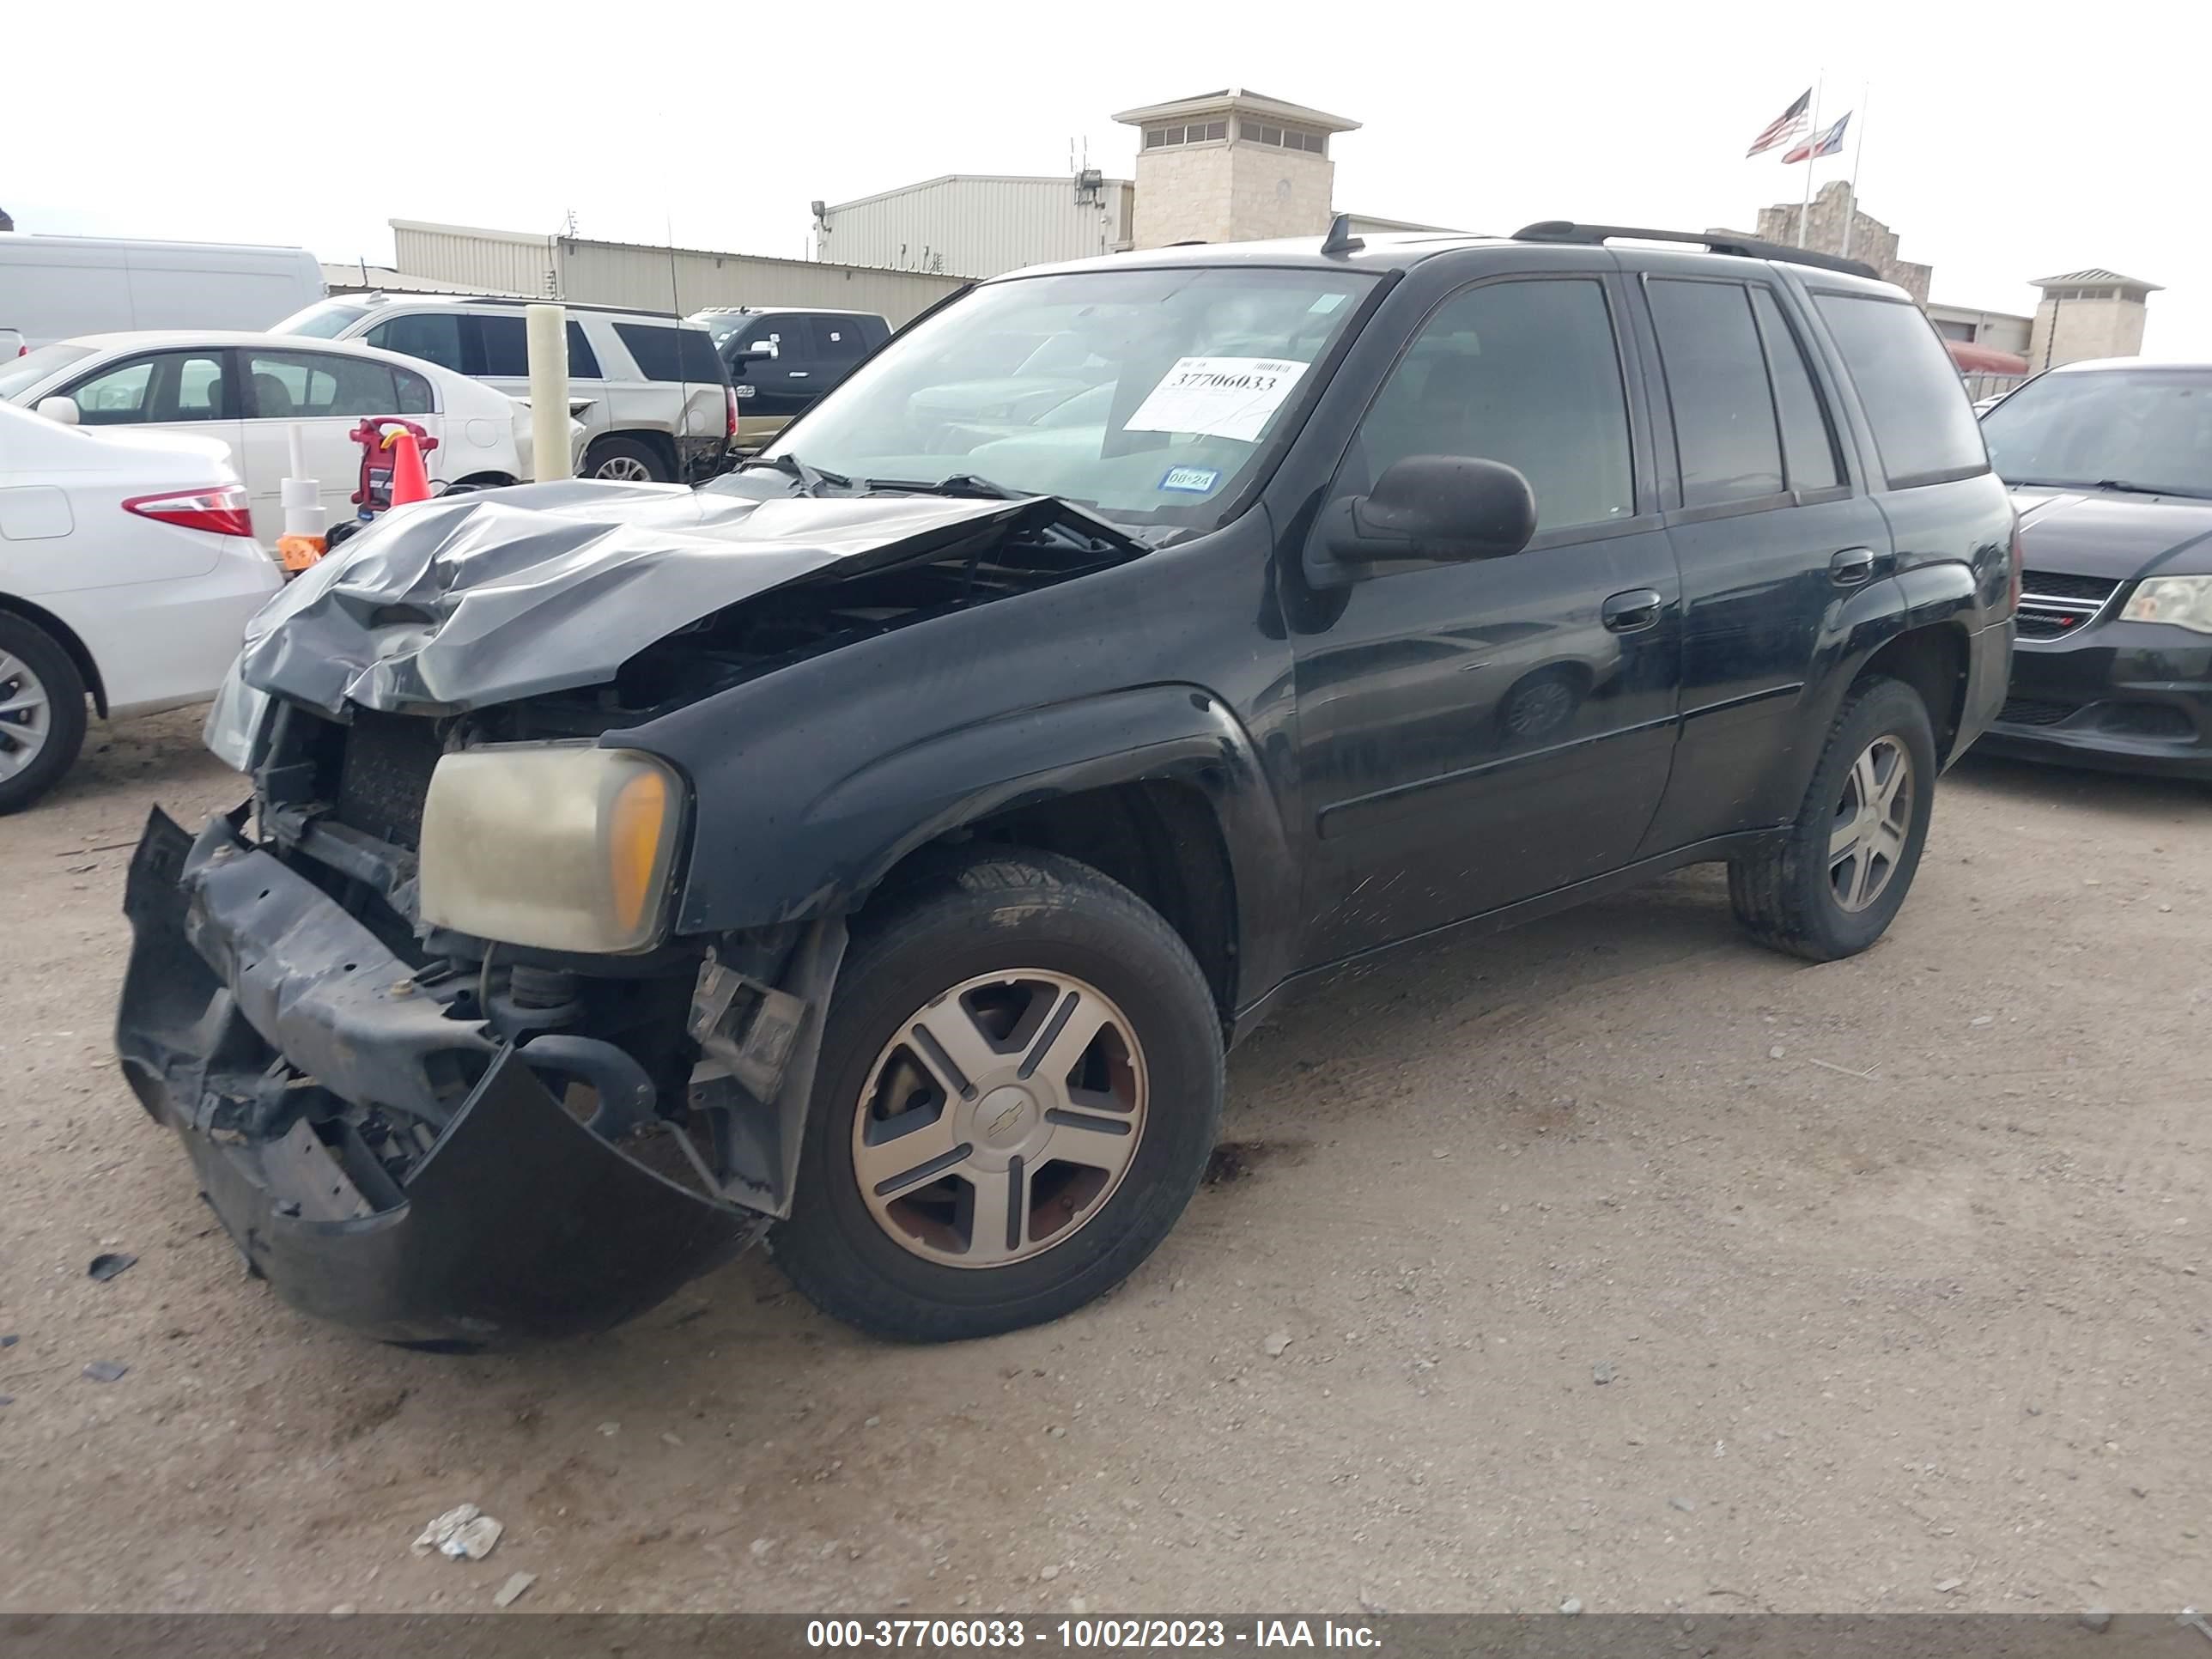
(351, 1076)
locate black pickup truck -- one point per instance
(878, 848)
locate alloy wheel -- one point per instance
(999, 1118)
(624, 469)
(26, 715)
(1867, 835)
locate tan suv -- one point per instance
(649, 387)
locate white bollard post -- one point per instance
(547, 338)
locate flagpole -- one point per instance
(1805, 211)
(1866, 95)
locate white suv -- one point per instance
(651, 392)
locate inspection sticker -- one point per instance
(1195, 480)
(1217, 397)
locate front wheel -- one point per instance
(1020, 1088)
(1829, 886)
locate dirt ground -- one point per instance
(1619, 1260)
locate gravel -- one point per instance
(1840, 1294)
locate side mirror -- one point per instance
(758, 351)
(62, 410)
(1429, 509)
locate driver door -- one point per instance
(1474, 734)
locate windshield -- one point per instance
(1147, 395)
(2149, 428)
(325, 319)
(19, 374)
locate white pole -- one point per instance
(297, 444)
(1858, 155)
(548, 340)
(1805, 212)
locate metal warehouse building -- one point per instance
(682, 280)
(967, 224)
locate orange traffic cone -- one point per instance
(410, 483)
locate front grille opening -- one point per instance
(2034, 711)
(2054, 603)
(384, 777)
(2057, 584)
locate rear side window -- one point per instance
(654, 349)
(700, 361)
(583, 361)
(301, 384)
(1809, 441)
(506, 350)
(1922, 425)
(1724, 425)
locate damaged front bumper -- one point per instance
(276, 1035)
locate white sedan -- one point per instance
(128, 571)
(251, 391)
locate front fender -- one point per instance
(761, 857)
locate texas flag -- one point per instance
(1820, 143)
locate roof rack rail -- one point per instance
(570, 305)
(1565, 230)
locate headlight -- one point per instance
(2185, 601)
(556, 845)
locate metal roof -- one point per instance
(2094, 277)
(1241, 101)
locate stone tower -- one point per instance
(2088, 313)
(1231, 166)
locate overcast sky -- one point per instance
(2001, 143)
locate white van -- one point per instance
(55, 287)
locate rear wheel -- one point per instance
(625, 460)
(1829, 886)
(1020, 1084)
(42, 718)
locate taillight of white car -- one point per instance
(729, 412)
(221, 509)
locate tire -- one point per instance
(1795, 895)
(42, 715)
(621, 459)
(990, 927)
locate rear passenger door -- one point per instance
(325, 396)
(1768, 527)
(840, 343)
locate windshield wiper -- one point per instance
(811, 478)
(960, 483)
(2127, 487)
(2118, 486)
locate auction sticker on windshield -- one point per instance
(1217, 397)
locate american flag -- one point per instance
(1783, 127)
(1826, 143)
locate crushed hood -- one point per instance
(485, 598)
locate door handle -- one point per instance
(1633, 612)
(1852, 567)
